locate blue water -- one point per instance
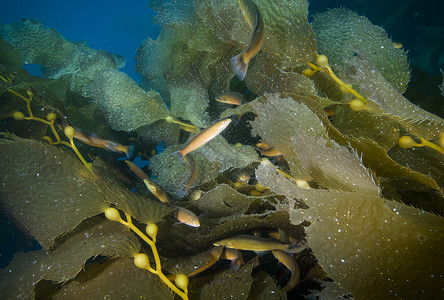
(115, 26)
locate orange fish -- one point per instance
(157, 191)
(397, 45)
(288, 260)
(94, 141)
(186, 216)
(231, 98)
(204, 137)
(239, 63)
(271, 152)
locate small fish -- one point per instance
(243, 177)
(234, 255)
(271, 152)
(195, 195)
(288, 260)
(239, 63)
(397, 45)
(263, 146)
(329, 111)
(94, 141)
(193, 176)
(136, 170)
(157, 191)
(186, 216)
(231, 98)
(252, 243)
(204, 137)
(214, 257)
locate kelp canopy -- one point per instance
(358, 209)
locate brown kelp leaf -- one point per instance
(46, 190)
(380, 129)
(264, 288)
(49, 192)
(424, 160)
(121, 279)
(376, 158)
(223, 201)
(370, 246)
(101, 237)
(386, 100)
(230, 284)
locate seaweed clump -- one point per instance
(334, 200)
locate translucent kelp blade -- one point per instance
(362, 239)
(277, 119)
(388, 101)
(213, 158)
(288, 35)
(189, 101)
(121, 279)
(100, 237)
(91, 73)
(334, 167)
(341, 34)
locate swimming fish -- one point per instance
(397, 45)
(263, 146)
(193, 176)
(271, 152)
(136, 170)
(239, 63)
(214, 257)
(231, 98)
(234, 255)
(157, 191)
(186, 216)
(94, 141)
(288, 260)
(204, 137)
(252, 243)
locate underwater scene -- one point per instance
(239, 149)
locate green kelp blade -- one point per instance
(100, 237)
(230, 284)
(46, 190)
(49, 192)
(342, 34)
(264, 288)
(120, 279)
(216, 156)
(372, 247)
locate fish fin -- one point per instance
(178, 154)
(130, 151)
(261, 253)
(297, 248)
(235, 119)
(182, 193)
(239, 66)
(236, 264)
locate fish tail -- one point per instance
(129, 150)
(239, 66)
(179, 155)
(235, 119)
